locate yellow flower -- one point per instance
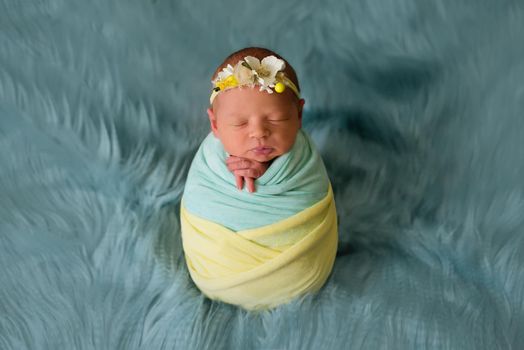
(229, 82)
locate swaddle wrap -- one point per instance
(261, 249)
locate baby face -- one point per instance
(255, 124)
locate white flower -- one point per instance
(266, 70)
(251, 71)
(244, 75)
(223, 74)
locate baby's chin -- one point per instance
(262, 158)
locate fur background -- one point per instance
(416, 107)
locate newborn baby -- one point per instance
(262, 244)
(255, 126)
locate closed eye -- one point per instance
(270, 120)
(239, 124)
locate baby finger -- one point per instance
(254, 173)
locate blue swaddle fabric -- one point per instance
(294, 181)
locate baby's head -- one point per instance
(245, 118)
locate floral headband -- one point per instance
(267, 73)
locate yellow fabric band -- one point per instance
(264, 267)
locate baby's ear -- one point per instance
(212, 121)
(301, 103)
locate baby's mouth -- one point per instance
(262, 150)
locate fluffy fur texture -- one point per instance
(415, 106)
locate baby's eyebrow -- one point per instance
(265, 114)
(234, 114)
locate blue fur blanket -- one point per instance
(416, 108)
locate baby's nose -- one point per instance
(259, 131)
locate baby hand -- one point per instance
(248, 169)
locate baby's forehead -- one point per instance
(243, 109)
(241, 100)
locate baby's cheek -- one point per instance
(231, 146)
